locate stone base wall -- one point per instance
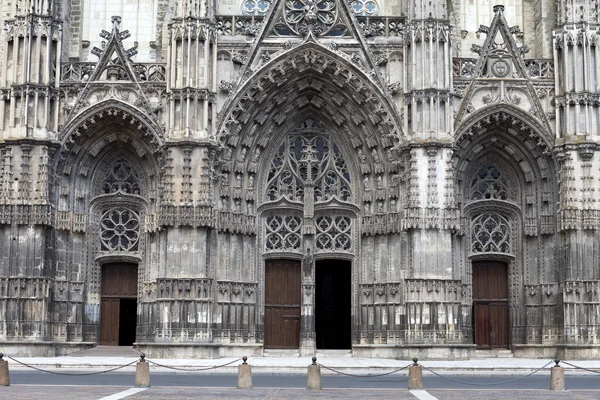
(43, 349)
(422, 352)
(207, 350)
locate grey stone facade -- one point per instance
(390, 137)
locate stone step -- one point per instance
(494, 353)
(334, 354)
(281, 353)
(107, 351)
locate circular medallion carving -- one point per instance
(500, 68)
(316, 15)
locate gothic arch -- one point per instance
(510, 213)
(510, 116)
(109, 109)
(357, 99)
(306, 81)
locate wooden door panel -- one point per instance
(119, 280)
(482, 325)
(282, 304)
(490, 281)
(499, 324)
(490, 304)
(109, 322)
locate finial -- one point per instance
(314, 360)
(244, 359)
(116, 20)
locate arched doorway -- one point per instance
(118, 309)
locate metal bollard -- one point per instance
(244, 375)
(313, 378)
(415, 376)
(4, 376)
(142, 372)
(557, 377)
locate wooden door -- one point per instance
(109, 322)
(119, 281)
(282, 304)
(490, 304)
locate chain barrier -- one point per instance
(364, 376)
(71, 373)
(582, 368)
(192, 369)
(485, 384)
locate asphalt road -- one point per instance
(278, 380)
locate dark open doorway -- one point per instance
(333, 320)
(118, 309)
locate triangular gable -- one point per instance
(114, 65)
(320, 21)
(501, 62)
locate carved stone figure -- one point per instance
(308, 261)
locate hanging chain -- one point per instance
(484, 384)
(71, 373)
(364, 376)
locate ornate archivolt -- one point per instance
(308, 81)
(504, 145)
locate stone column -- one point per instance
(576, 55)
(191, 83)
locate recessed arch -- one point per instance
(297, 64)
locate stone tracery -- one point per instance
(120, 230)
(303, 159)
(490, 234)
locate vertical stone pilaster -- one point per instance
(576, 55)
(191, 80)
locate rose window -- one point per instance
(121, 178)
(120, 230)
(490, 233)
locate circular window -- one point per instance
(120, 230)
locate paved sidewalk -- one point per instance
(299, 364)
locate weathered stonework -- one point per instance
(392, 136)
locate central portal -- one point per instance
(333, 320)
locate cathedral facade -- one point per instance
(385, 178)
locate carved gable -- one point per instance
(500, 74)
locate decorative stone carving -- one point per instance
(120, 230)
